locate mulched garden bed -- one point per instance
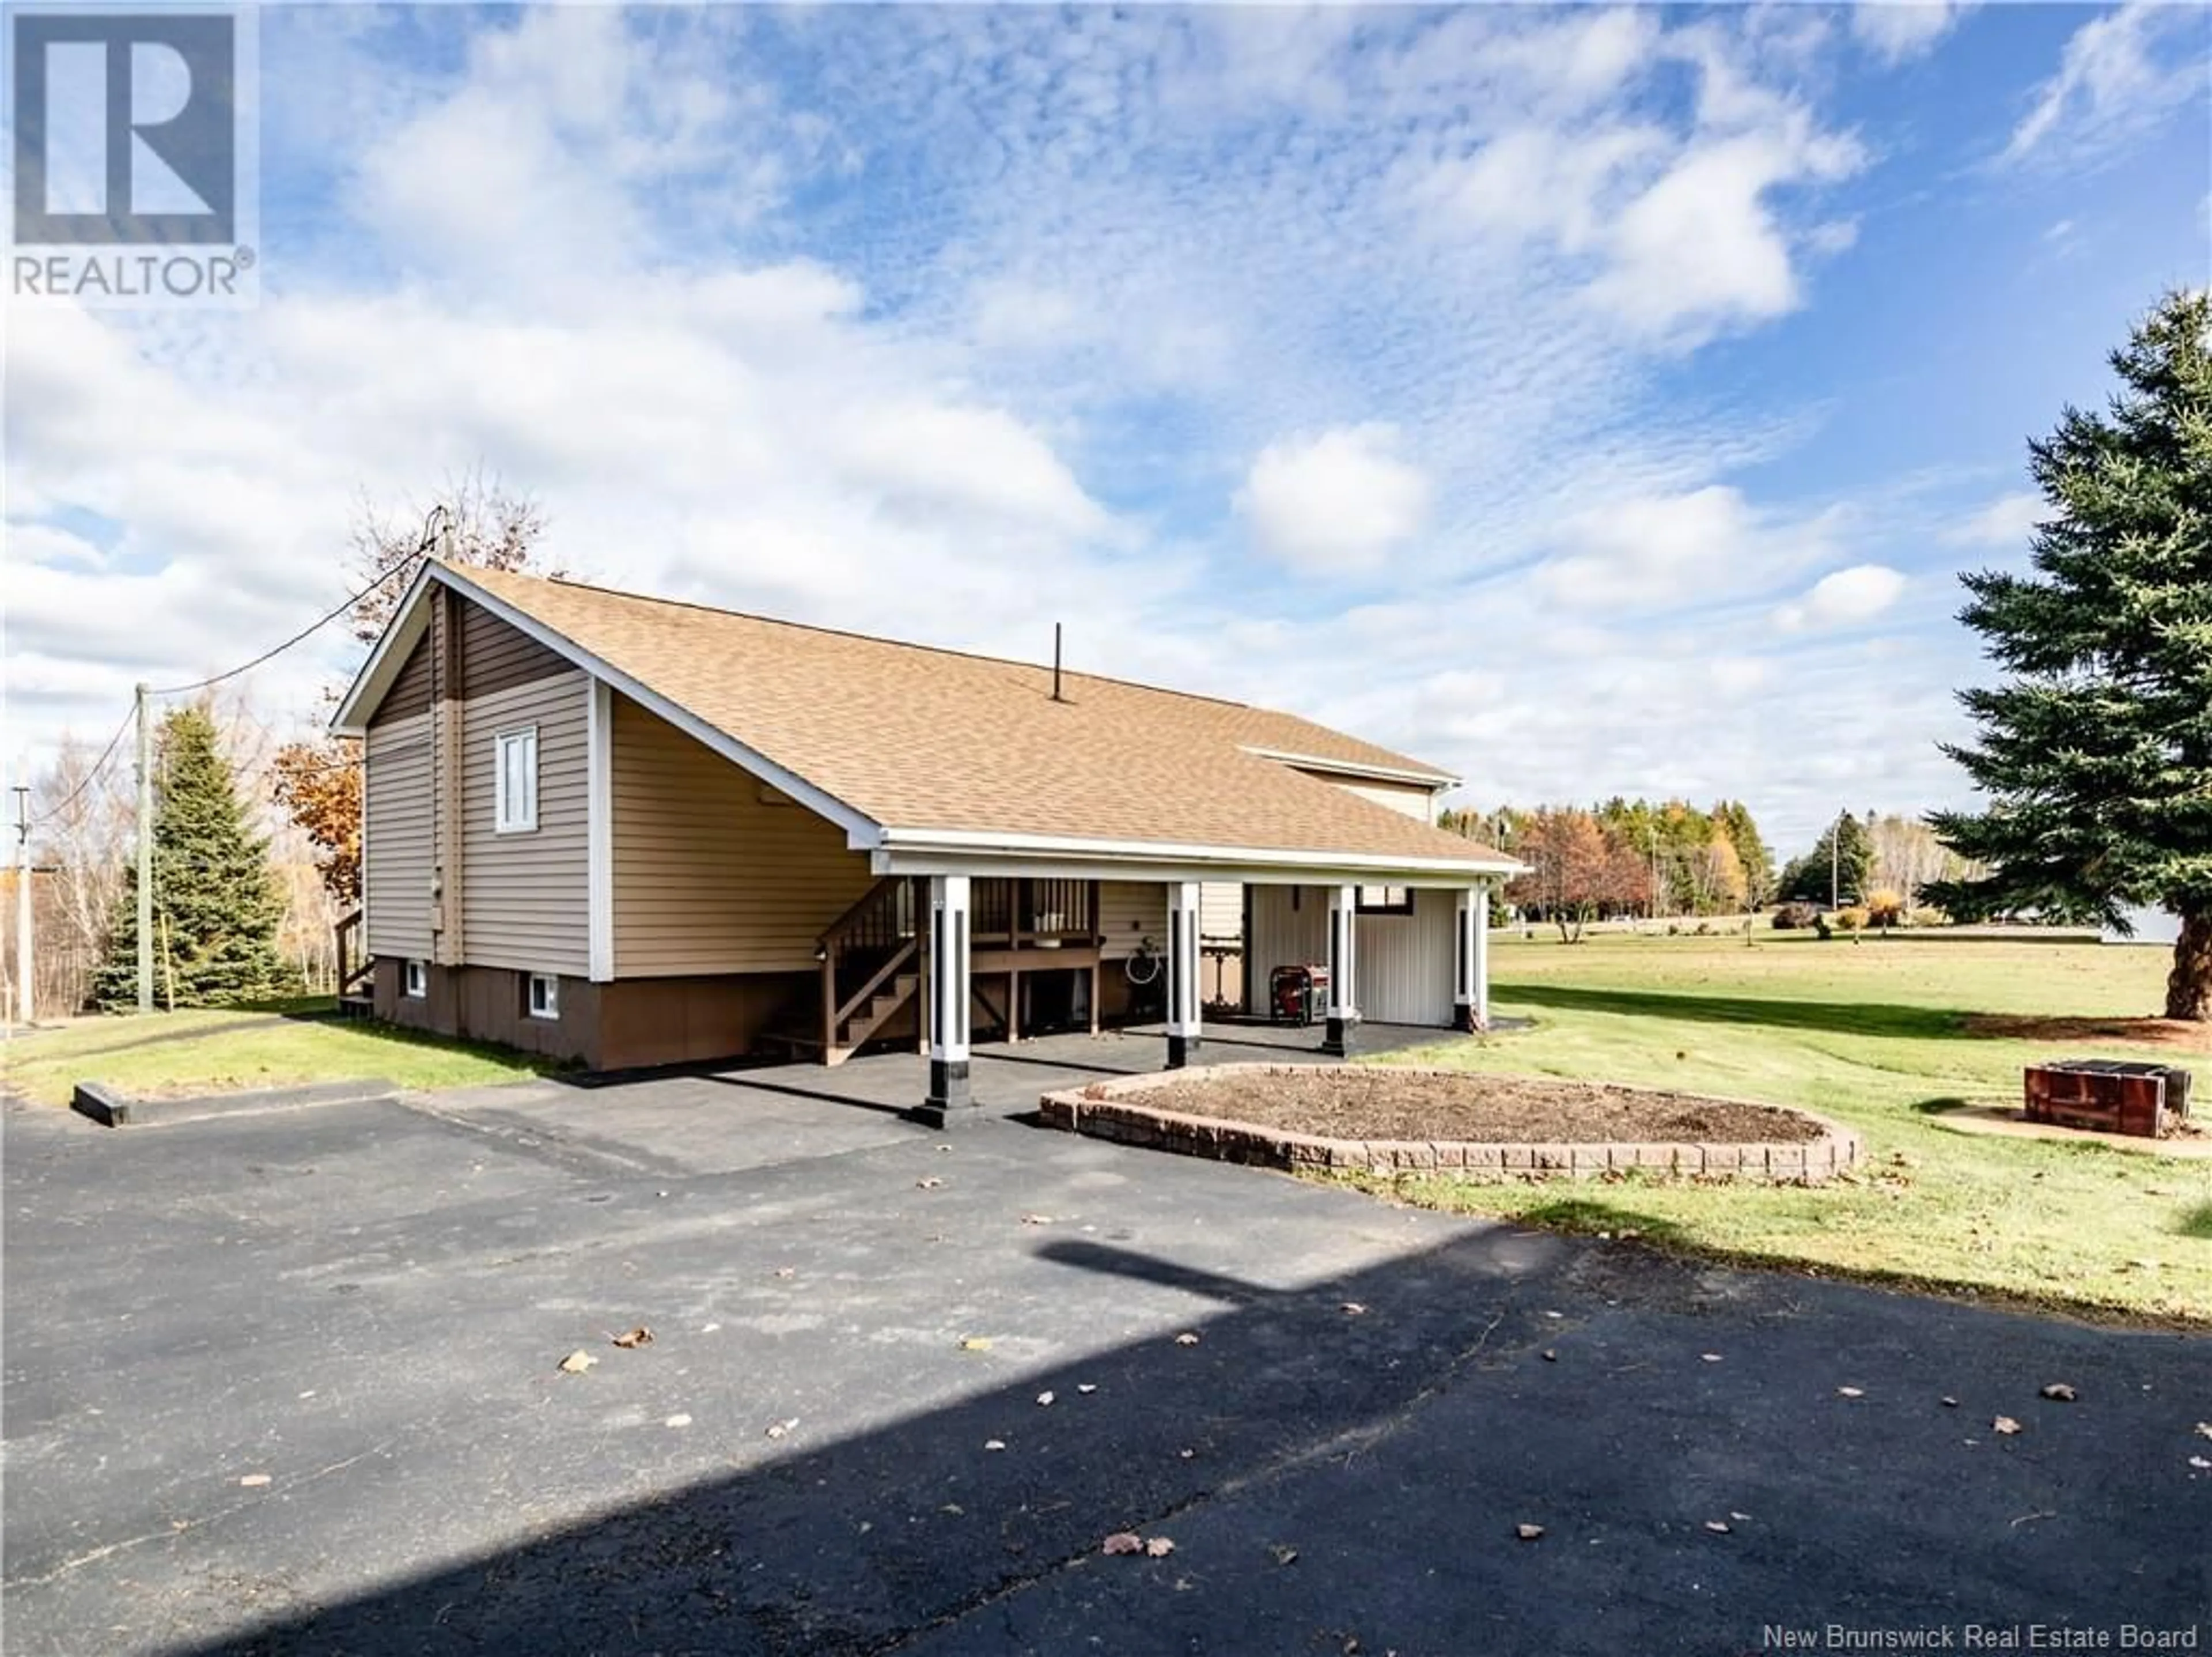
(1377, 1103)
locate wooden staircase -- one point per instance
(871, 961)
(355, 966)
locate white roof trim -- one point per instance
(1313, 762)
(862, 831)
(901, 846)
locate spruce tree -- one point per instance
(216, 909)
(2095, 752)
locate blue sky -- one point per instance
(1595, 401)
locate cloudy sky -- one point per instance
(1594, 401)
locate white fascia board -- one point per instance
(1314, 762)
(410, 619)
(936, 851)
(862, 832)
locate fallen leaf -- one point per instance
(679, 1420)
(1186, 1454)
(1037, 1219)
(1741, 1518)
(2199, 1463)
(955, 1509)
(709, 1329)
(2059, 1392)
(577, 1362)
(1550, 1356)
(1851, 1392)
(1711, 1357)
(2006, 1425)
(254, 1481)
(1354, 1309)
(1718, 1526)
(930, 1184)
(1122, 1542)
(1187, 1338)
(1283, 1556)
(1528, 1532)
(994, 1444)
(1950, 1403)
(782, 1428)
(974, 1344)
(640, 1336)
(1046, 1397)
(1158, 1547)
(1085, 1386)
(945, 1148)
(2204, 1429)
(784, 1271)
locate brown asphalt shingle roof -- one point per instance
(917, 737)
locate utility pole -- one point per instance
(26, 1004)
(145, 856)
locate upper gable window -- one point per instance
(516, 785)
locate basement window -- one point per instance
(515, 786)
(1386, 900)
(541, 996)
(417, 984)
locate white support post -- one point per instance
(600, 829)
(948, 1098)
(1343, 939)
(1183, 1030)
(1470, 959)
(1482, 957)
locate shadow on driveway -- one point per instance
(1341, 1466)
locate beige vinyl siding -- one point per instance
(1404, 962)
(710, 876)
(1221, 909)
(525, 901)
(1129, 911)
(396, 848)
(1406, 799)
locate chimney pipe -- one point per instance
(1056, 696)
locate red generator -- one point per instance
(1296, 994)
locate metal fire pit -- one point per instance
(2109, 1096)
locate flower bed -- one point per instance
(1395, 1119)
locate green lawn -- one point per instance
(218, 1050)
(1873, 1034)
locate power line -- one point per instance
(436, 520)
(311, 628)
(89, 777)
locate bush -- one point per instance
(1885, 909)
(1853, 919)
(1795, 917)
(1927, 916)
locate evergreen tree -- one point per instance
(2096, 751)
(1841, 867)
(216, 910)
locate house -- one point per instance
(629, 832)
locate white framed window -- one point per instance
(417, 980)
(1386, 900)
(516, 786)
(541, 996)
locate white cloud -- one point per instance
(2006, 521)
(1847, 598)
(1682, 549)
(1896, 30)
(2120, 74)
(1336, 503)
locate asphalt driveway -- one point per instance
(288, 1383)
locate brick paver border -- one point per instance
(1126, 1110)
